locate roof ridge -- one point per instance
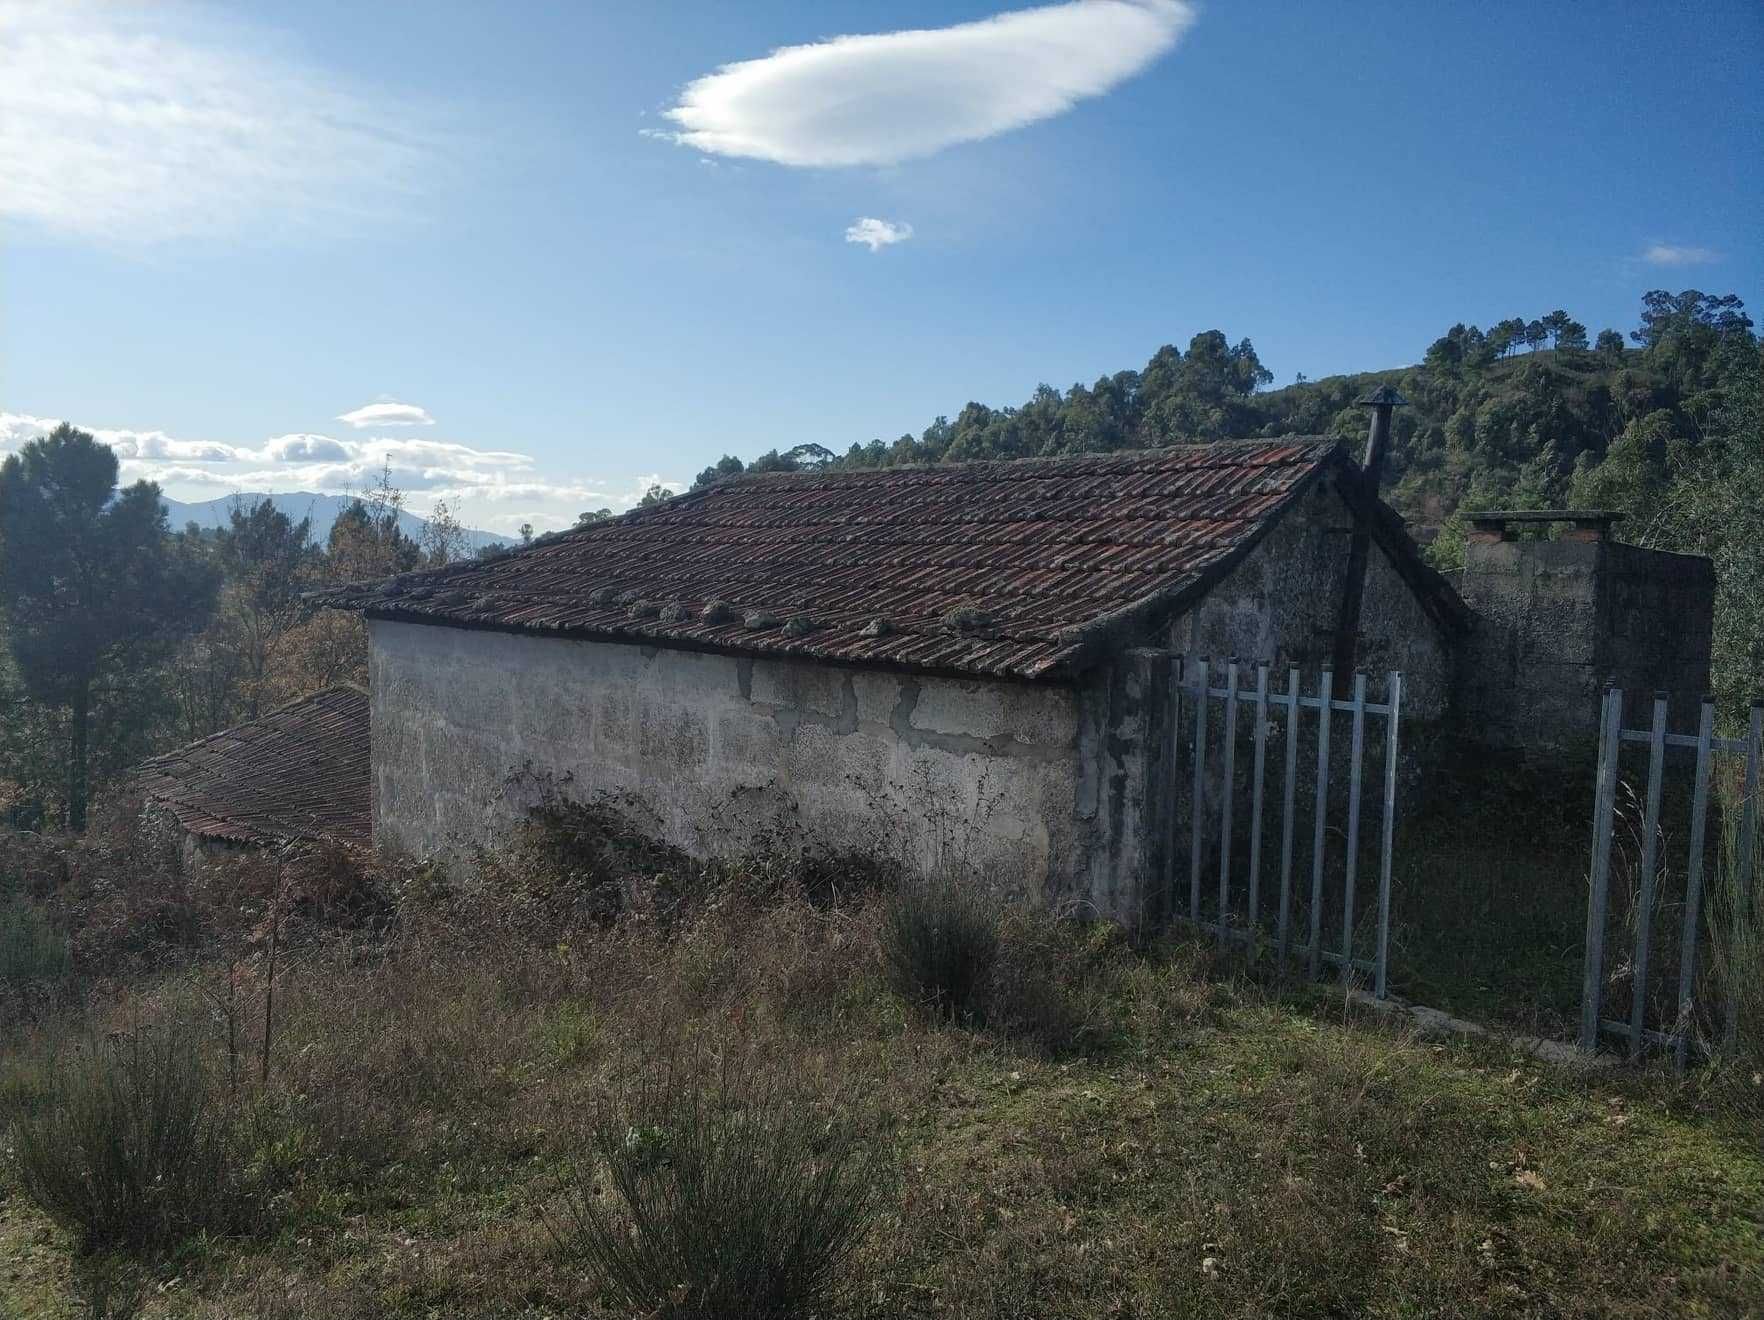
(1016, 462)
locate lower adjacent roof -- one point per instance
(299, 772)
(1025, 568)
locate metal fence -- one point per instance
(1710, 757)
(1211, 719)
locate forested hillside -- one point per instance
(1663, 425)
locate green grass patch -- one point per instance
(1201, 1145)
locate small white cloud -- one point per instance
(305, 449)
(1678, 254)
(893, 96)
(877, 234)
(389, 413)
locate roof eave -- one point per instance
(1049, 670)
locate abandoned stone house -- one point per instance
(976, 655)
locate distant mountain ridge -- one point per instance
(322, 509)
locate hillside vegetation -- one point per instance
(1665, 428)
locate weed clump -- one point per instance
(737, 1194)
(129, 1148)
(940, 943)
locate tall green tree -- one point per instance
(1564, 330)
(1665, 313)
(92, 584)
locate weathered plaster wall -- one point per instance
(1038, 785)
(1531, 672)
(1281, 604)
(1557, 620)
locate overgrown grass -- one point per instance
(1736, 929)
(1491, 890)
(458, 1103)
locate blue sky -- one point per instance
(578, 258)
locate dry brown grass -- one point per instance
(1166, 1139)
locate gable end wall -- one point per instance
(1280, 605)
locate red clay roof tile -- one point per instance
(299, 772)
(1047, 548)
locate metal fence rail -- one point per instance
(1196, 697)
(1743, 753)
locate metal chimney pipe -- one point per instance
(1382, 401)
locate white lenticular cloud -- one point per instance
(132, 122)
(879, 99)
(387, 413)
(877, 234)
(1676, 254)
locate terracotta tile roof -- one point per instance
(299, 772)
(1024, 568)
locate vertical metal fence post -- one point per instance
(1394, 700)
(1644, 917)
(1227, 787)
(1693, 888)
(1748, 846)
(1325, 696)
(1356, 752)
(1197, 812)
(1172, 742)
(1610, 726)
(1257, 763)
(1286, 817)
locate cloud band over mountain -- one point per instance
(427, 470)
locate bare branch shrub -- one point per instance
(129, 1146)
(720, 1186)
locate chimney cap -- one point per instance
(1385, 396)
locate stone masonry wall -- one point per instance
(1557, 620)
(1281, 604)
(1040, 786)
